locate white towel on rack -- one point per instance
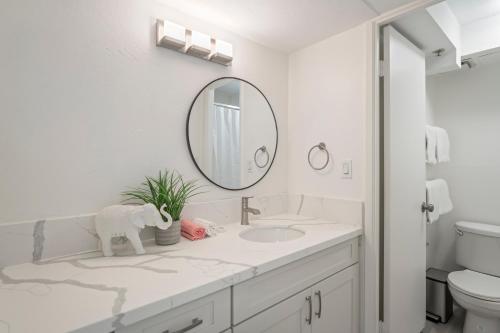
(443, 145)
(439, 196)
(430, 144)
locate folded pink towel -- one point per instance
(191, 230)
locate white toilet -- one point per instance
(477, 289)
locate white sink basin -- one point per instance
(271, 234)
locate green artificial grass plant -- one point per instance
(168, 188)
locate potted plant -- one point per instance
(167, 189)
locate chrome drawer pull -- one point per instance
(309, 319)
(318, 293)
(196, 322)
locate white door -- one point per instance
(336, 303)
(293, 315)
(404, 184)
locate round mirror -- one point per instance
(232, 133)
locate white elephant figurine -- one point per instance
(127, 220)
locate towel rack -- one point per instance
(322, 147)
(262, 149)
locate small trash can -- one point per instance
(439, 299)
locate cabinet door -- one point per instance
(336, 303)
(260, 293)
(290, 316)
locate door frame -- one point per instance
(371, 282)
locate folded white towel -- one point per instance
(211, 228)
(430, 144)
(438, 195)
(443, 145)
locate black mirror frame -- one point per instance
(189, 143)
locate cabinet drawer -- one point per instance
(257, 294)
(210, 314)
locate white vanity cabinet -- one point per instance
(262, 292)
(331, 305)
(319, 293)
(315, 294)
(210, 314)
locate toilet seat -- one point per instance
(477, 285)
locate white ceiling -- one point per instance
(468, 11)
(285, 25)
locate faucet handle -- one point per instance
(245, 199)
(244, 202)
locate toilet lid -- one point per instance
(479, 285)
(479, 228)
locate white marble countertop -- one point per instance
(91, 293)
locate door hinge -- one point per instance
(381, 68)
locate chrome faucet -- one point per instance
(245, 210)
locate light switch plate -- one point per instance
(347, 169)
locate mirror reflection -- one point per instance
(232, 133)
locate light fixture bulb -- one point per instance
(170, 35)
(201, 44)
(223, 53)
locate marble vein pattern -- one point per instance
(331, 209)
(48, 238)
(54, 237)
(91, 293)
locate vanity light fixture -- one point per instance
(170, 35)
(223, 53)
(200, 44)
(176, 37)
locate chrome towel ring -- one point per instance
(262, 149)
(321, 146)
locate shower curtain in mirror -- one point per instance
(225, 139)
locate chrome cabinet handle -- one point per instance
(195, 323)
(309, 319)
(318, 293)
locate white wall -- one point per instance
(467, 104)
(90, 105)
(327, 97)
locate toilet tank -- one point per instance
(478, 247)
